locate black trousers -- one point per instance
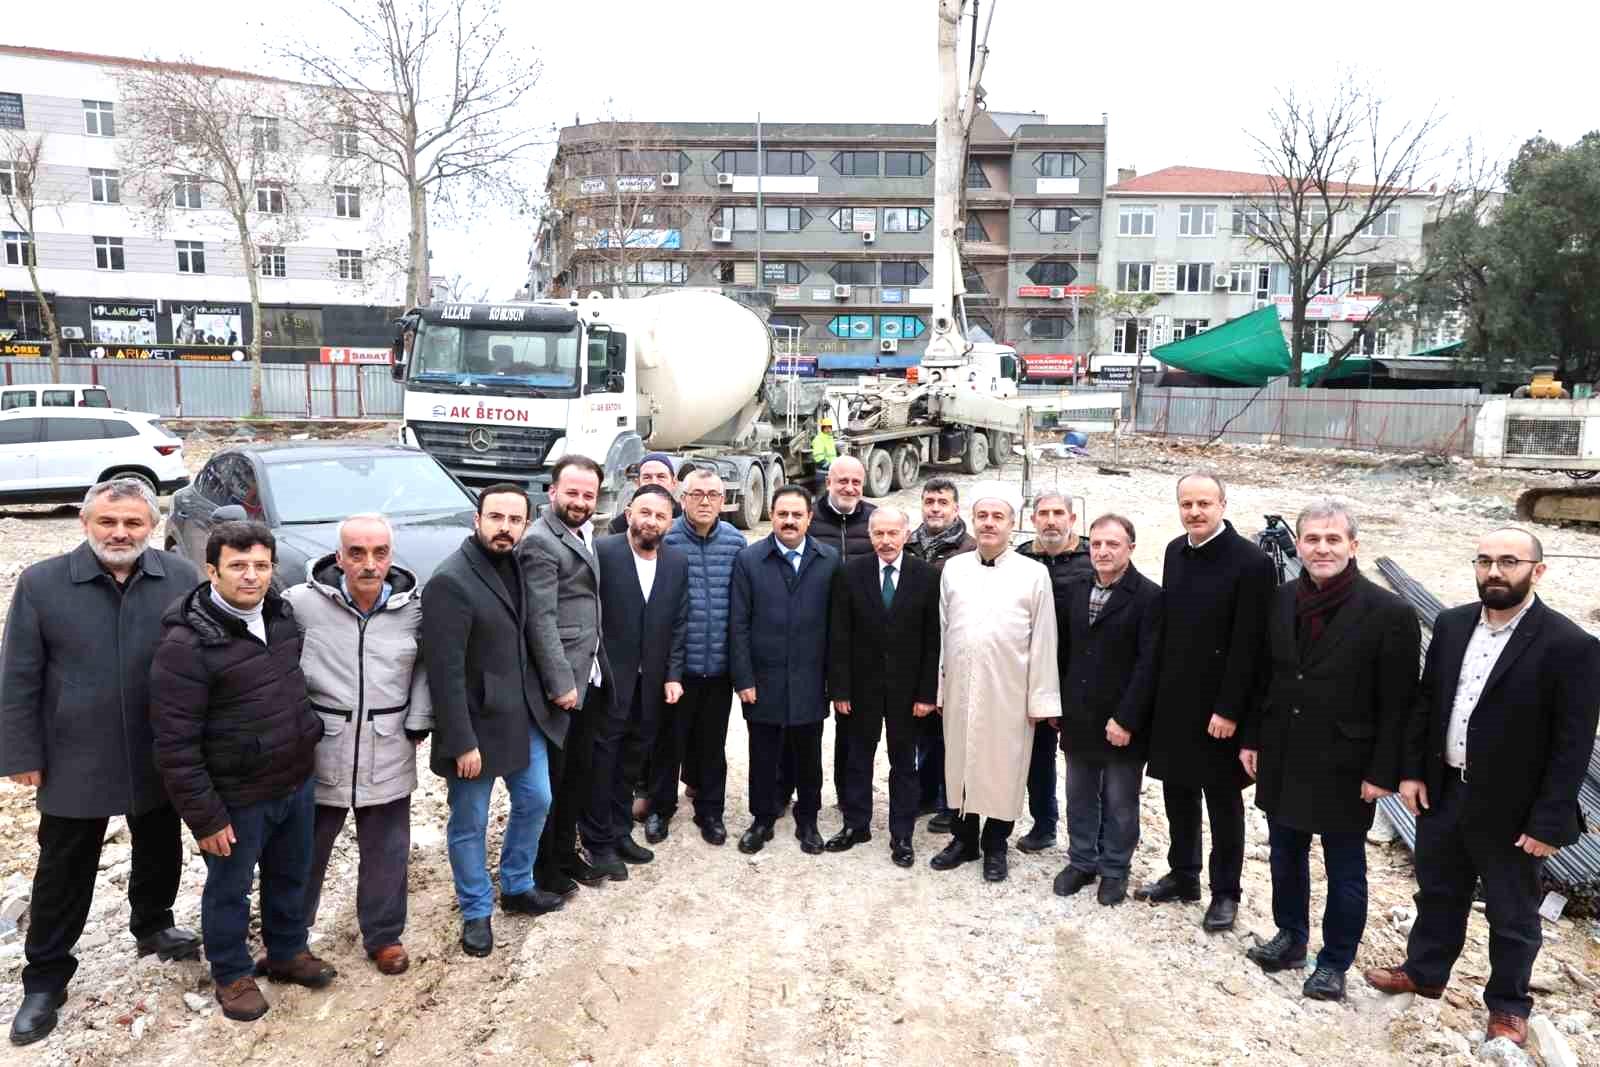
(766, 754)
(1450, 858)
(860, 730)
(63, 888)
(693, 736)
(622, 743)
(992, 840)
(383, 843)
(571, 768)
(930, 762)
(1225, 808)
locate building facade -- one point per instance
(125, 284)
(833, 224)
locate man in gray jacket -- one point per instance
(362, 621)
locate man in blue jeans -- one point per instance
(490, 718)
(235, 742)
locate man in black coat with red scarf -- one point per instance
(1327, 742)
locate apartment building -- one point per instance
(124, 287)
(832, 223)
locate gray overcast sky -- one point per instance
(1179, 81)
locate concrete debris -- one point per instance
(1502, 1051)
(195, 1002)
(1575, 1022)
(92, 939)
(1553, 1048)
(15, 907)
(1449, 1041)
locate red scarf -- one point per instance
(1314, 605)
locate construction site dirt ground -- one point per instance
(709, 956)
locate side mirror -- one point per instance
(397, 370)
(230, 513)
(616, 381)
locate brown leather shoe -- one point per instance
(1393, 980)
(241, 1000)
(305, 969)
(392, 959)
(1501, 1024)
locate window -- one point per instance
(905, 219)
(906, 326)
(905, 164)
(972, 281)
(187, 193)
(976, 178)
(264, 131)
(191, 257)
(273, 262)
(1182, 328)
(1194, 277)
(19, 249)
(269, 198)
(980, 329)
(788, 324)
(1136, 221)
(108, 253)
(1134, 277)
(651, 161)
(19, 431)
(346, 141)
(781, 162)
(1385, 225)
(726, 273)
(740, 162)
(854, 273)
(17, 398)
(1374, 343)
(783, 272)
(787, 219)
(98, 119)
(1051, 329)
(183, 125)
(1244, 278)
(1059, 165)
(1319, 338)
(59, 398)
(648, 272)
(8, 178)
(737, 219)
(856, 164)
(1052, 272)
(1131, 337)
(1197, 220)
(1055, 219)
(974, 230)
(350, 264)
(105, 186)
(347, 201)
(1248, 220)
(857, 326)
(858, 219)
(1315, 224)
(910, 274)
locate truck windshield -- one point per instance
(543, 363)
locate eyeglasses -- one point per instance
(703, 496)
(1505, 563)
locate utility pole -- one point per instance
(761, 215)
(972, 54)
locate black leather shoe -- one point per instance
(1112, 891)
(36, 1016)
(810, 840)
(1325, 983)
(173, 943)
(1279, 954)
(1071, 879)
(755, 837)
(609, 865)
(928, 807)
(533, 902)
(477, 937)
(1036, 840)
(1169, 887)
(559, 884)
(952, 856)
(900, 851)
(1220, 915)
(630, 851)
(712, 831)
(655, 828)
(995, 867)
(590, 872)
(846, 839)
(942, 823)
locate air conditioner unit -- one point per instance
(724, 178)
(868, 236)
(721, 235)
(1221, 279)
(669, 179)
(1057, 292)
(841, 292)
(889, 344)
(72, 333)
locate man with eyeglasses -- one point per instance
(1496, 748)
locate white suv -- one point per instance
(53, 455)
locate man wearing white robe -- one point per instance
(998, 678)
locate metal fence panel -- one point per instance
(381, 396)
(283, 389)
(139, 387)
(214, 390)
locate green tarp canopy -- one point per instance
(1249, 350)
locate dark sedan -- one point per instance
(303, 491)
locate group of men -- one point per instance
(595, 674)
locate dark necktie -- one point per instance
(888, 586)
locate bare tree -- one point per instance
(22, 192)
(194, 136)
(458, 289)
(431, 93)
(1335, 168)
(1108, 305)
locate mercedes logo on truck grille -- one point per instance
(480, 440)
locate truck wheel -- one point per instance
(775, 478)
(1000, 448)
(752, 499)
(975, 460)
(880, 473)
(907, 465)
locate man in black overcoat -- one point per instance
(1217, 590)
(1326, 744)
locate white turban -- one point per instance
(1005, 492)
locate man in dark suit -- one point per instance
(1326, 742)
(644, 611)
(883, 673)
(1495, 751)
(778, 656)
(561, 580)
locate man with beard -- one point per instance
(490, 720)
(1495, 751)
(654, 469)
(561, 587)
(1065, 555)
(1218, 587)
(943, 534)
(92, 616)
(1326, 742)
